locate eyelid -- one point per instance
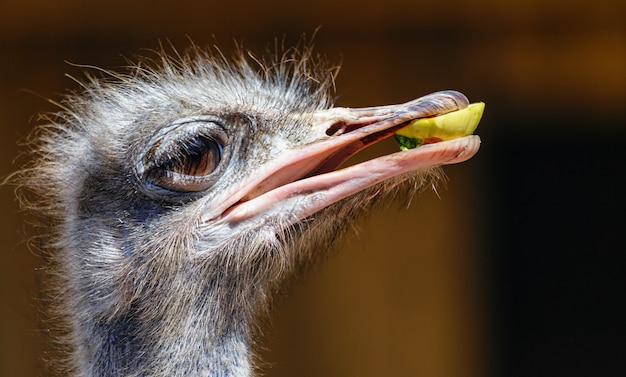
(203, 119)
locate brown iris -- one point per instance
(188, 165)
(198, 157)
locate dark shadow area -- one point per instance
(558, 255)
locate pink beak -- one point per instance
(300, 182)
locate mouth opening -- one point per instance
(363, 146)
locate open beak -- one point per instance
(302, 181)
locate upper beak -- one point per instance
(302, 181)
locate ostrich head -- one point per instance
(185, 195)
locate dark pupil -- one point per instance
(199, 157)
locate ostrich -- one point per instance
(180, 197)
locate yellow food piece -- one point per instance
(443, 127)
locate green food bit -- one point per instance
(443, 127)
(407, 142)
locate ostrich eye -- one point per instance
(185, 157)
(189, 166)
(198, 158)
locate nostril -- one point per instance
(336, 129)
(343, 127)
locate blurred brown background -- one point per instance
(518, 269)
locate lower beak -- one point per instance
(305, 180)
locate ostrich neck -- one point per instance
(128, 348)
(179, 324)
